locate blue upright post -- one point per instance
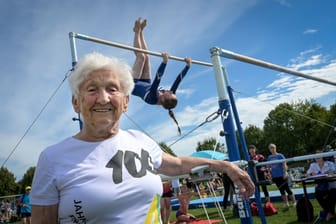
(229, 130)
(243, 143)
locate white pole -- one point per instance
(250, 60)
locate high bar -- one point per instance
(127, 47)
(250, 60)
(299, 158)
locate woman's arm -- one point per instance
(174, 166)
(285, 168)
(45, 214)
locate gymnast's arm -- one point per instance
(181, 75)
(155, 85)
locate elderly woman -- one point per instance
(104, 174)
(325, 192)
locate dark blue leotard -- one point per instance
(149, 91)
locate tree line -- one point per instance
(297, 128)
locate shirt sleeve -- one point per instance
(311, 169)
(44, 190)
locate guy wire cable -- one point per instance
(36, 118)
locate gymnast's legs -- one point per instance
(141, 67)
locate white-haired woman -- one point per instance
(104, 174)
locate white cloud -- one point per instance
(310, 31)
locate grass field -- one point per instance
(284, 216)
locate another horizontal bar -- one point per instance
(250, 60)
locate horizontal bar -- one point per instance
(223, 53)
(298, 158)
(250, 60)
(127, 47)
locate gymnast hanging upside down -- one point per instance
(149, 91)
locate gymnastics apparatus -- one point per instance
(229, 114)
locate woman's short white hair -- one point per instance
(95, 61)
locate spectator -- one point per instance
(166, 201)
(25, 206)
(325, 192)
(5, 211)
(228, 191)
(279, 175)
(262, 173)
(18, 208)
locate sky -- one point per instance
(35, 57)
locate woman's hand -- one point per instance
(242, 180)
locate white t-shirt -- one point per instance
(328, 166)
(101, 182)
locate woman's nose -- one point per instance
(103, 97)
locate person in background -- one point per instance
(144, 88)
(228, 191)
(279, 175)
(166, 201)
(102, 173)
(25, 206)
(325, 192)
(202, 190)
(182, 214)
(261, 170)
(190, 185)
(176, 185)
(18, 207)
(5, 212)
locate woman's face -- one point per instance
(272, 149)
(252, 151)
(101, 103)
(166, 95)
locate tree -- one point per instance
(209, 144)
(7, 182)
(297, 128)
(315, 129)
(167, 149)
(255, 136)
(27, 179)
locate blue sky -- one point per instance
(35, 56)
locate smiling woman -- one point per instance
(101, 174)
(101, 102)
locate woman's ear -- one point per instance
(75, 104)
(126, 101)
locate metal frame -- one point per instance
(226, 101)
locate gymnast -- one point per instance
(149, 91)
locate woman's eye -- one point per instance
(91, 89)
(112, 89)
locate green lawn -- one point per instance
(283, 217)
